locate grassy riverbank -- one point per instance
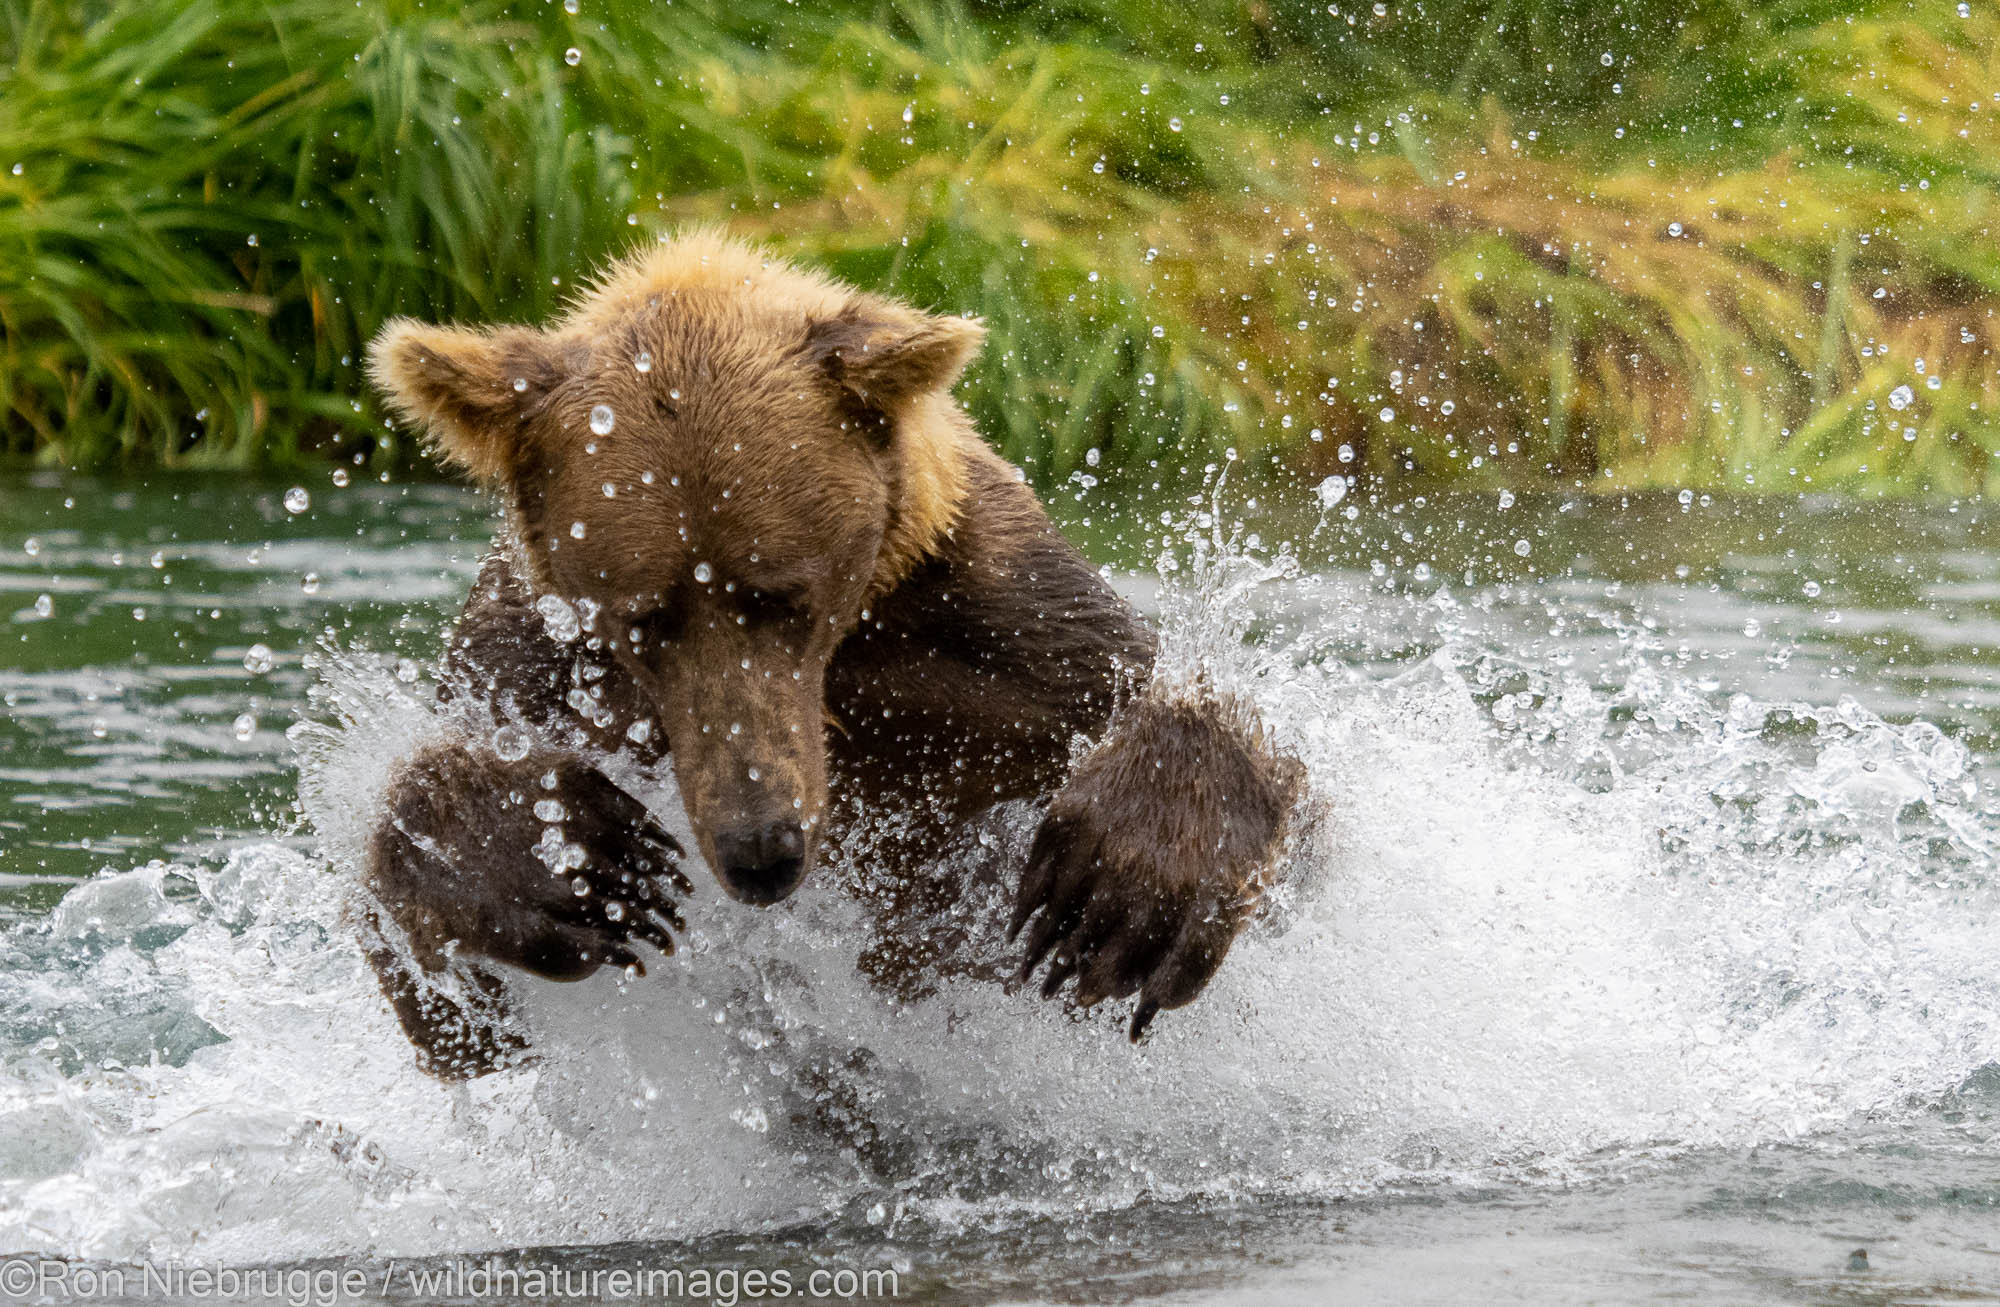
(1484, 242)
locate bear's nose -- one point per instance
(761, 865)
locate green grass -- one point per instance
(1443, 242)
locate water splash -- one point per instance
(1538, 927)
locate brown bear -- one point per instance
(750, 533)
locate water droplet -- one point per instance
(340, 477)
(406, 670)
(1812, 589)
(1447, 408)
(1173, 124)
(1506, 499)
(1901, 398)
(310, 583)
(510, 744)
(297, 500)
(558, 619)
(244, 726)
(644, 363)
(1332, 491)
(602, 419)
(639, 732)
(257, 659)
(1605, 59)
(910, 113)
(31, 546)
(1345, 453)
(99, 728)
(614, 909)
(704, 573)
(1523, 548)
(551, 810)
(577, 530)
(1673, 229)
(580, 886)
(520, 384)
(572, 56)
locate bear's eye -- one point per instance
(762, 607)
(657, 627)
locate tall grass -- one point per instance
(207, 208)
(1616, 244)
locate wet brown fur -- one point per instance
(814, 591)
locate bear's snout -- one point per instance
(761, 865)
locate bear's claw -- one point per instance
(625, 852)
(489, 857)
(1153, 856)
(1115, 933)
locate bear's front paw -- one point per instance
(604, 878)
(544, 864)
(1154, 854)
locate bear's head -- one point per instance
(719, 461)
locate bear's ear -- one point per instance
(883, 360)
(471, 390)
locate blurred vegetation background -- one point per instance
(1614, 243)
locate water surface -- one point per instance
(1637, 943)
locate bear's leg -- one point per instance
(541, 863)
(964, 691)
(1155, 852)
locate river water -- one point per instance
(1637, 942)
